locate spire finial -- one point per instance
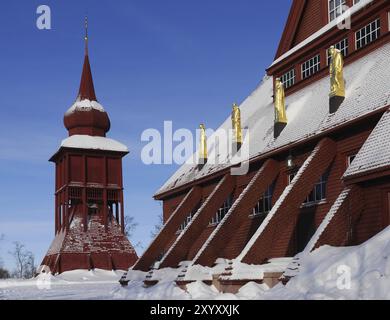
(86, 35)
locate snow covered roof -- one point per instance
(375, 153)
(85, 105)
(93, 143)
(308, 115)
(355, 8)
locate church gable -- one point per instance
(314, 17)
(306, 17)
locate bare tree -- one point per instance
(157, 227)
(4, 274)
(24, 261)
(130, 227)
(1, 239)
(31, 268)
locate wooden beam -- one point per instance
(239, 212)
(180, 249)
(168, 232)
(268, 241)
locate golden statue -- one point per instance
(337, 83)
(236, 124)
(203, 144)
(280, 103)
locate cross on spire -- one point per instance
(87, 90)
(86, 35)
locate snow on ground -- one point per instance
(242, 271)
(73, 285)
(361, 272)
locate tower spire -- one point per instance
(86, 116)
(87, 90)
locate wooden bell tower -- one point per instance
(89, 208)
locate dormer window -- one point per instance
(343, 46)
(288, 79)
(336, 8)
(311, 67)
(368, 34)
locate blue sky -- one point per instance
(185, 61)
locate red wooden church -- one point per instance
(323, 177)
(89, 209)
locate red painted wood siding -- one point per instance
(314, 17)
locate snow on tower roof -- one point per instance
(93, 143)
(308, 115)
(375, 153)
(85, 105)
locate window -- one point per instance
(288, 79)
(343, 46)
(291, 177)
(188, 219)
(221, 213)
(186, 222)
(311, 67)
(356, 1)
(318, 194)
(350, 159)
(368, 34)
(388, 19)
(336, 8)
(264, 206)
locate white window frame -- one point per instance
(318, 196)
(388, 19)
(291, 177)
(368, 34)
(343, 46)
(337, 10)
(188, 219)
(311, 67)
(264, 206)
(288, 79)
(221, 213)
(350, 159)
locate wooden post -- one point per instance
(105, 202)
(105, 208)
(67, 222)
(122, 223)
(62, 210)
(84, 194)
(56, 227)
(85, 208)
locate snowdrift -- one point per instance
(361, 272)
